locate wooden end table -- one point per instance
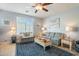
(67, 42)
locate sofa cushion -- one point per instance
(26, 34)
(55, 37)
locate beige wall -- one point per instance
(37, 25)
(6, 29)
(67, 18)
(5, 33)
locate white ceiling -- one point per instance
(22, 7)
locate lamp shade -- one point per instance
(44, 29)
(70, 28)
(67, 28)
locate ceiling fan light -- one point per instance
(38, 7)
(44, 6)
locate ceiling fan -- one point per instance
(41, 6)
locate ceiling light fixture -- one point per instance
(41, 6)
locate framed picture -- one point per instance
(55, 23)
(6, 22)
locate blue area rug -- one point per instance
(33, 49)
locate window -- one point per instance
(24, 24)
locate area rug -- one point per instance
(33, 49)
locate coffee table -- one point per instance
(43, 42)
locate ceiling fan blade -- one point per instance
(46, 4)
(45, 9)
(33, 6)
(36, 11)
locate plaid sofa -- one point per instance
(54, 36)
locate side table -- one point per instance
(67, 42)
